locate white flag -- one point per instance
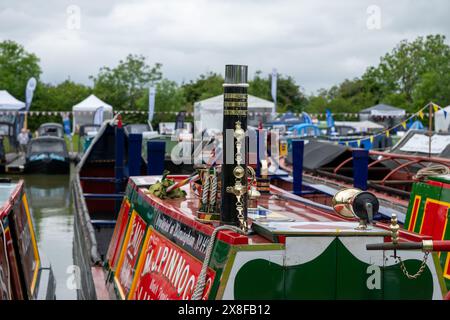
(31, 86)
(151, 102)
(98, 116)
(274, 87)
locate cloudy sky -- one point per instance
(319, 43)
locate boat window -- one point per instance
(4, 129)
(8, 118)
(51, 131)
(47, 146)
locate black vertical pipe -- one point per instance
(235, 109)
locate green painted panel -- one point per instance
(146, 211)
(398, 286)
(315, 279)
(353, 275)
(335, 274)
(217, 262)
(445, 195)
(259, 279)
(415, 190)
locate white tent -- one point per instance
(9, 103)
(208, 113)
(360, 126)
(442, 120)
(381, 110)
(84, 112)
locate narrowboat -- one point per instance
(225, 232)
(47, 154)
(390, 175)
(51, 129)
(23, 275)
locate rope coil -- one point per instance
(433, 170)
(201, 281)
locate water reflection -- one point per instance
(50, 202)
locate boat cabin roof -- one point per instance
(48, 143)
(51, 129)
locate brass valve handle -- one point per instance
(239, 189)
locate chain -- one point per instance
(419, 272)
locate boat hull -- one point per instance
(48, 166)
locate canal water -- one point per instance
(50, 202)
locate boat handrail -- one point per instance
(82, 207)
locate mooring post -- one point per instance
(134, 154)
(360, 168)
(298, 147)
(156, 151)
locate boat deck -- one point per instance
(283, 215)
(16, 164)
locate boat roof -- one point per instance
(318, 154)
(51, 124)
(416, 142)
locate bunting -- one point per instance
(388, 131)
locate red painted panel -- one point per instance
(14, 267)
(434, 220)
(166, 272)
(130, 253)
(118, 235)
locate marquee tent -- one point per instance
(381, 110)
(10, 124)
(9, 103)
(84, 112)
(208, 113)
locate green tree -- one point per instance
(413, 73)
(206, 86)
(290, 96)
(127, 83)
(16, 67)
(169, 98)
(410, 76)
(61, 97)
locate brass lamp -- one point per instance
(353, 202)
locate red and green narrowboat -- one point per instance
(217, 234)
(22, 274)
